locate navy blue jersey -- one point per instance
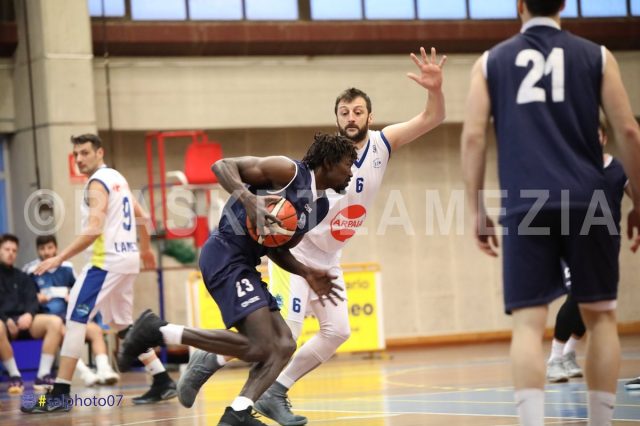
(301, 192)
(616, 182)
(63, 276)
(544, 85)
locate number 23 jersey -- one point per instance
(116, 249)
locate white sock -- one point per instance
(11, 367)
(46, 362)
(172, 333)
(600, 408)
(530, 404)
(82, 368)
(62, 381)
(556, 350)
(154, 367)
(221, 360)
(241, 403)
(570, 346)
(102, 363)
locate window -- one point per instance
(570, 9)
(494, 9)
(603, 8)
(216, 10)
(635, 7)
(384, 9)
(438, 9)
(112, 8)
(158, 10)
(336, 9)
(277, 10)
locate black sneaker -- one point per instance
(46, 403)
(144, 334)
(239, 418)
(157, 393)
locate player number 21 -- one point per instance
(248, 287)
(554, 65)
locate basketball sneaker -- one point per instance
(201, 366)
(44, 383)
(239, 418)
(570, 365)
(275, 404)
(16, 386)
(161, 390)
(144, 334)
(556, 372)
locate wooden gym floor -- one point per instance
(452, 385)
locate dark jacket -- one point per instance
(17, 293)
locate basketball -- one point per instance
(283, 210)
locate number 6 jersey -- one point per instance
(116, 249)
(347, 212)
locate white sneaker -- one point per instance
(570, 365)
(556, 372)
(108, 377)
(89, 378)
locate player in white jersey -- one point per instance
(322, 246)
(109, 238)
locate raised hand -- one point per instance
(430, 70)
(321, 282)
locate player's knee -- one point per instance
(287, 346)
(54, 324)
(338, 334)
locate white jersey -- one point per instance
(116, 249)
(347, 212)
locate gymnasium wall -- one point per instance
(433, 284)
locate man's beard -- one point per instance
(362, 133)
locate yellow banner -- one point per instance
(365, 308)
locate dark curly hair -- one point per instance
(349, 95)
(332, 148)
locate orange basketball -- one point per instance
(283, 210)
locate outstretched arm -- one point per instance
(474, 151)
(434, 113)
(98, 199)
(617, 108)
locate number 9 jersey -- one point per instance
(116, 249)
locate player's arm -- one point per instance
(234, 173)
(321, 282)
(144, 239)
(434, 113)
(474, 152)
(97, 197)
(617, 108)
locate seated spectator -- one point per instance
(19, 319)
(53, 294)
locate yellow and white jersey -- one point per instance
(348, 212)
(116, 249)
